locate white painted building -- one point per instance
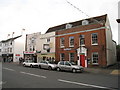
(31, 46)
(46, 44)
(12, 49)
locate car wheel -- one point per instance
(50, 68)
(73, 70)
(31, 66)
(24, 65)
(39, 66)
(58, 69)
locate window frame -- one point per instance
(62, 58)
(94, 39)
(71, 60)
(82, 39)
(95, 58)
(71, 45)
(62, 44)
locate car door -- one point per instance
(61, 65)
(43, 64)
(67, 66)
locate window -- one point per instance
(82, 40)
(95, 57)
(71, 57)
(0, 50)
(62, 42)
(61, 62)
(68, 26)
(10, 49)
(94, 39)
(71, 41)
(62, 56)
(48, 39)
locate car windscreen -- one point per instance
(72, 63)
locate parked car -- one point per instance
(69, 66)
(47, 65)
(30, 63)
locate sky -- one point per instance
(39, 15)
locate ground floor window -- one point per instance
(71, 57)
(62, 56)
(95, 58)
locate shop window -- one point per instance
(95, 58)
(71, 41)
(94, 39)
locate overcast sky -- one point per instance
(39, 15)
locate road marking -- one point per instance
(95, 86)
(9, 69)
(2, 82)
(33, 74)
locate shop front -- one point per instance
(46, 56)
(30, 55)
(7, 57)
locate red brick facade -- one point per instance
(93, 32)
(100, 48)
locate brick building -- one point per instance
(87, 42)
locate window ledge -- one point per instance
(94, 44)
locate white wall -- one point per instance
(110, 46)
(43, 40)
(19, 47)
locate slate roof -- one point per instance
(78, 23)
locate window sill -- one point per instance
(94, 44)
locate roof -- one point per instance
(10, 39)
(78, 23)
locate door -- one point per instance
(82, 60)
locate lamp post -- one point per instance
(118, 20)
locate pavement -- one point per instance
(103, 71)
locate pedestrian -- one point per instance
(20, 60)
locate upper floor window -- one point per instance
(95, 57)
(68, 26)
(71, 41)
(62, 42)
(94, 39)
(10, 49)
(82, 40)
(48, 39)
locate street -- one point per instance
(17, 76)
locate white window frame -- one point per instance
(72, 57)
(92, 39)
(70, 40)
(80, 41)
(62, 45)
(62, 57)
(94, 57)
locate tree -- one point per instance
(118, 52)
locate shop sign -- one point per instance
(17, 55)
(26, 52)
